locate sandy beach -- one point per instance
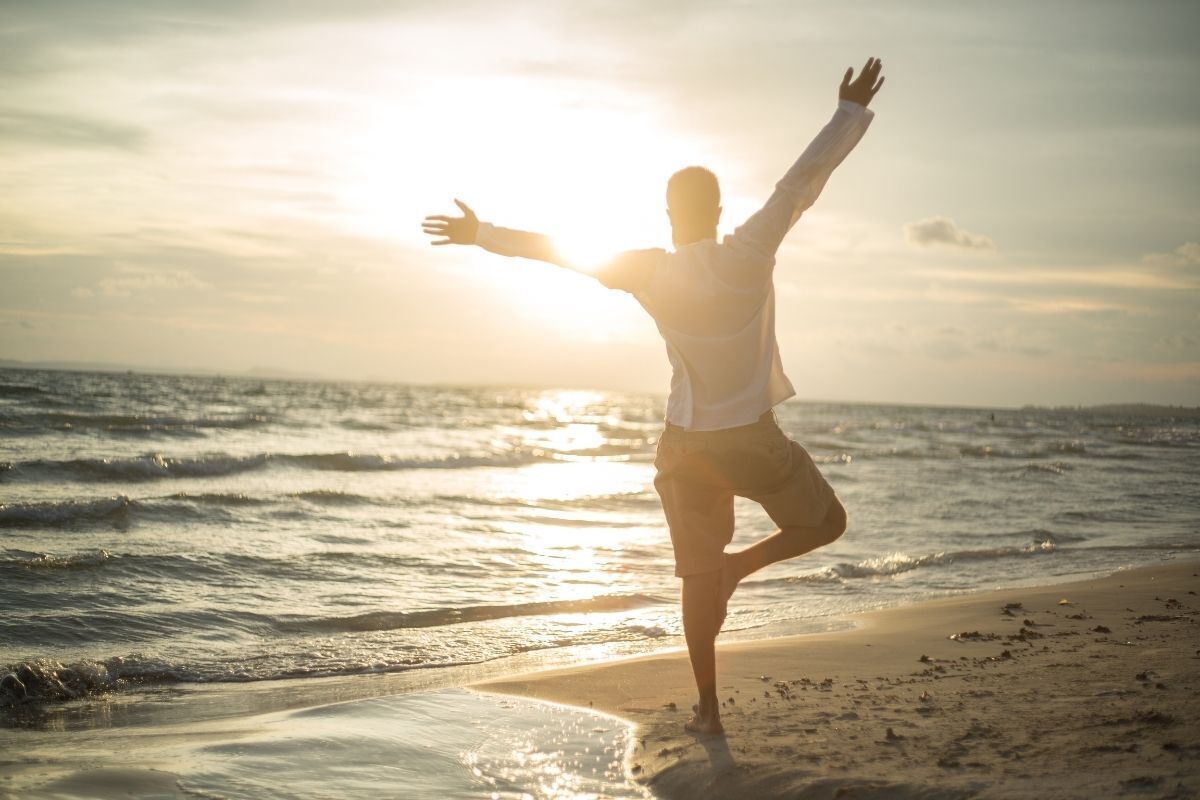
(1086, 689)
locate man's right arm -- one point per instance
(630, 271)
(761, 235)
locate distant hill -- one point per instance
(265, 373)
(1148, 410)
(1128, 410)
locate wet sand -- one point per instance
(1078, 690)
(448, 744)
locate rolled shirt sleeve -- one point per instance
(516, 244)
(630, 271)
(760, 236)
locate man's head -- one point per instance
(693, 205)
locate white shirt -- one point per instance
(714, 304)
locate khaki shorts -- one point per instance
(700, 472)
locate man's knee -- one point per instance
(834, 524)
(701, 582)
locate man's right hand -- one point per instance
(454, 230)
(863, 88)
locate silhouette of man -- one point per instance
(714, 304)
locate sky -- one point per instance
(239, 185)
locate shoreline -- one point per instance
(1099, 696)
(1020, 706)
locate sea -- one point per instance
(162, 531)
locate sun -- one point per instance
(582, 161)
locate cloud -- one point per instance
(132, 278)
(1186, 255)
(66, 130)
(943, 231)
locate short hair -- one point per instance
(694, 193)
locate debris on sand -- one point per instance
(1024, 635)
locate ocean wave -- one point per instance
(1101, 515)
(17, 390)
(155, 466)
(1043, 468)
(896, 563)
(437, 617)
(617, 501)
(50, 681)
(131, 423)
(113, 511)
(231, 499)
(952, 452)
(148, 467)
(1068, 446)
(352, 424)
(332, 497)
(50, 561)
(46, 681)
(18, 565)
(1042, 536)
(121, 512)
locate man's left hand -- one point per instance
(863, 88)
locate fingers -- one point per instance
(878, 86)
(440, 242)
(847, 76)
(870, 71)
(439, 218)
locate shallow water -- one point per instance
(432, 745)
(425, 746)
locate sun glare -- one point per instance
(585, 163)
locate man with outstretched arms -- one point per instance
(714, 304)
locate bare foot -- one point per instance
(728, 585)
(707, 724)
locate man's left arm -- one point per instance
(799, 188)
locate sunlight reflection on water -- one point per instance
(425, 746)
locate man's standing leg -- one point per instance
(701, 622)
(700, 519)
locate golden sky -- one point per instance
(225, 185)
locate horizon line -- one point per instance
(283, 375)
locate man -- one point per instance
(714, 304)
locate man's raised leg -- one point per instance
(701, 601)
(785, 543)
